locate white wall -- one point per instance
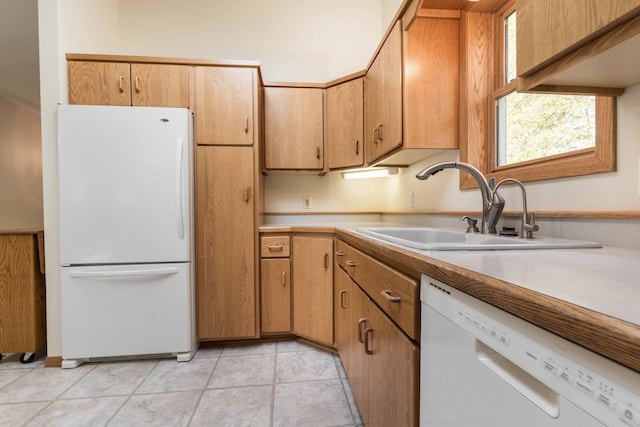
(20, 167)
(294, 40)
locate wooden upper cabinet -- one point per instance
(224, 105)
(121, 83)
(99, 83)
(160, 85)
(383, 98)
(294, 135)
(344, 124)
(412, 93)
(589, 43)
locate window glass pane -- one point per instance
(510, 47)
(531, 126)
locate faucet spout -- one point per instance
(528, 225)
(492, 202)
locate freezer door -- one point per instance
(124, 184)
(126, 310)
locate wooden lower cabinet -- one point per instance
(381, 363)
(225, 238)
(275, 295)
(313, 288)
(22, 293)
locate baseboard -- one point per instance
(53, 362)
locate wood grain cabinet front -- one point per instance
(225, 243)
(345, 124)
(224, 105)
(22, 293)
(313, 288)
(121, 83)
(275, 284)
(381, 363)
(411, 93)
(294, 132)
(586, 46)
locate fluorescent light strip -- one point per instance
(370, 173)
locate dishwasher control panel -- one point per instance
(607, 391)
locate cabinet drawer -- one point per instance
(274, 246)
(394, 292)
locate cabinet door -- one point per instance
(224, 99)
(293, 128)
(99, 83)
(357, 360)
(313, 288)
(393, 373)
(160, 85)
(275, 295)
(22, 295)
(383, 98)
(548, 29)
(345, 124)
(225, 235)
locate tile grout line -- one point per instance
(130, 394)
(273, 387)
(204, 389)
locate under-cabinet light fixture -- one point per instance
(369, 173)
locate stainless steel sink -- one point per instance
(444, 239)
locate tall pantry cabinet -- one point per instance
(228, 199)
(225, 97)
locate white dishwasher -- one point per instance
(482, 367)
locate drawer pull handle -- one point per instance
(339, 253)
(387, 295)
(276, 248)
(352, 263)
(361, 323)
(357, 148)
(368, 333)
(246, 125)
(137, 85)
(343, 299)
(326, 261)
(284, 278)
(121, 84)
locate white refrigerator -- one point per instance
(126, 246)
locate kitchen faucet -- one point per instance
(528, 225)
(492, 202)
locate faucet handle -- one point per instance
(531, 225)
(472, 224)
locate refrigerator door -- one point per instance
(126, 310)
(124, 184)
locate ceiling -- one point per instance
(19, 69)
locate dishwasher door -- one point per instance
(482, 367)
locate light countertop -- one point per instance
(597, 289)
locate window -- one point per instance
(532, 136)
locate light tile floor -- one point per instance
(269, 384)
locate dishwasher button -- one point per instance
(629, 415)
(565, 375)
(584, 387)
(549, 366)
(603, 398)
(504, 338)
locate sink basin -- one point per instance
(443, 239)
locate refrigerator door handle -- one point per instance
(124, 273)
(179, 212)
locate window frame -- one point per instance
(481, 152)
